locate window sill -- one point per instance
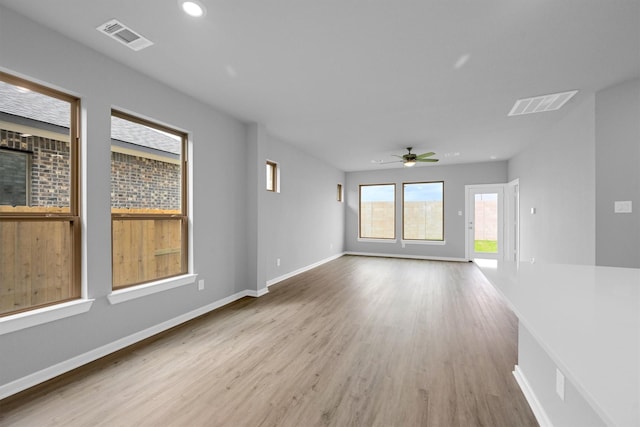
(128, 294)
(43, 315)
(424, 242)
(365, 240)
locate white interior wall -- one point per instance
(618, 174)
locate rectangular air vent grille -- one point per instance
(538, 104)
(120, 32)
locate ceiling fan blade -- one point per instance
(423, 155)
(426, 160)
(395, 155)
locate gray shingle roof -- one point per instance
(33, 105)
(25, 103)
(134, 133)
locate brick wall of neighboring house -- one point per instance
(50, 167)
(138, 182)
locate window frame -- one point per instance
(395, 201)
(275, 182)
(423, 241)
(73, 214)
(184, 203)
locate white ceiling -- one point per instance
(351, 81)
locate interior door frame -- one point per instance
(468, 240)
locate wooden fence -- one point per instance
(35, 264)
(36, 258)
(146, 249)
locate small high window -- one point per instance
(272, 176)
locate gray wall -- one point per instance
(238, 228)
(219, 197)
(557, 178)
(618, 174)
(455, 178)
(304, 222)
(540, 372)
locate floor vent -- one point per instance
(538, 104)
(125, 35)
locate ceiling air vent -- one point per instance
(118, 31)
(542, 103)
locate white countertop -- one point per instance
(587, 318)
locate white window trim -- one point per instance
(139, 291)
(423, 242)
(366, 239)
(39, 316)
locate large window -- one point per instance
(148, 201)
(377, 211)
(39, 217)
(423, 211)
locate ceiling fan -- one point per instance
(411, 159)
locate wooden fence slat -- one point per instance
(36, 256)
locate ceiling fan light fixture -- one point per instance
(409, 163)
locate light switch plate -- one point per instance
(625, 206)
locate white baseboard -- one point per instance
(534, 403)
(258, 293)
(426, 257)
(302, 270)
(46, 374)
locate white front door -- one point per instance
(484, 221)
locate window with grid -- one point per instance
(39, 209)
(148, 201)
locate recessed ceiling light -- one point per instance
(193, 8)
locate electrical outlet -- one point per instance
(201, 284)
(560, 384)
(623, 206)
(278, 262)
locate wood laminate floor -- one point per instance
(358, 341)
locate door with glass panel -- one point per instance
(484, 222)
